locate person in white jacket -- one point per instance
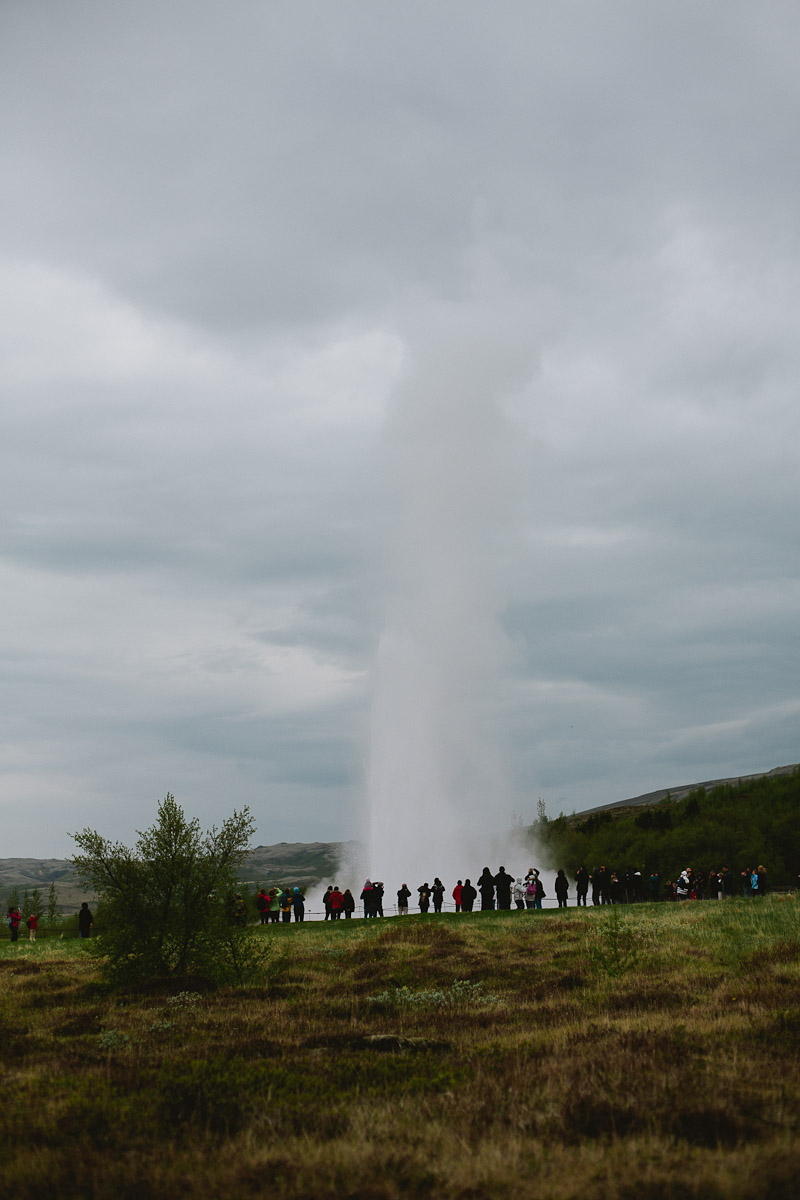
(683, 888)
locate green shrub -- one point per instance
(166, 903)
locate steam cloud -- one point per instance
(437, 791)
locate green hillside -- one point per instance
(734, 825)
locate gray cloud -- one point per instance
(229, 233)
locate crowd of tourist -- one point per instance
(504, 891)
(488, 892)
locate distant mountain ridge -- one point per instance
(298, 863)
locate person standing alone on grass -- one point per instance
(437, 892)
(403, 896)
(298, 904)
(33, 922)
(85, 921)
(562, 888)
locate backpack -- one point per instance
(530, 890)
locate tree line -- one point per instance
(733, 825)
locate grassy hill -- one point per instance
(683, 791)
(302, 863)
(601, 1054)
(735, 824)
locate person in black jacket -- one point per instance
(367, 898)
(582, 885)
(403, 897)
(503, 882)
(562, 889)
(377, 898)
(468, 896)
(437, 894)
(424, 897)
(85, 921)
(486, 889)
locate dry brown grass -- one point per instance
(655, 1058)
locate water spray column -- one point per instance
(435, 781)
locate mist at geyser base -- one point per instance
(438, 800)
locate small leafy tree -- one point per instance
(166, 903)
(52, 905)
(614, 946)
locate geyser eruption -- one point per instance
(436, 787)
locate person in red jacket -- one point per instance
(33, 922)
(14, 918)
(336, 901)
(457, 895)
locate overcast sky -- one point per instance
(235, 237)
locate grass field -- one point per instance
(647, 1052)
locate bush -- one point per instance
(166, 903)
